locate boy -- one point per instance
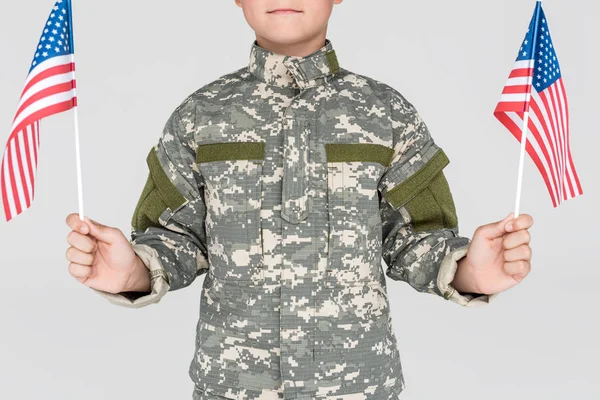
(286, 182)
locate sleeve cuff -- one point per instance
(159, 281)
(446, 275)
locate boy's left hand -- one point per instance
(498, 258)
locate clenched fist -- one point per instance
(499, 256)
(102, 258)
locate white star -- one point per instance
(44, 54)
(524, 54)
(51, 39)
(48, 46)
(57, 49)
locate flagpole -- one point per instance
(76, 119)
(526, 113)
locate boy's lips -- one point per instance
(281, 11)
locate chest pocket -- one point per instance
(233, 195)
(354, 236)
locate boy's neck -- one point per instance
(298, 49)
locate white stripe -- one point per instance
(49, 63)
(563, 111)
(17, 175)
(554, 128)
(518, 81)
(524, 64)
(9, 194)
(514, 97)
(45, 84)
(25, 132)
(41, 104)
(33, 163)
(537, 119)
(519, 122)
(561, 136)
(561, 132)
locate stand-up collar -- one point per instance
(292, 71)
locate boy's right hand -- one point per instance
(102, 257)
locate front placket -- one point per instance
(294, 199)
(297, 238)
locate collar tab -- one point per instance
(292, 71)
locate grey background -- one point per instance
(137, 60)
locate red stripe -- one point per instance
(579, 189)
(29, 163)
(536, 134)
(536, 110)
(553, 128)
(516, 131)
(42, 94)
(521, 73)
(518, 89)
(507, 106)
(558, 117)
(45, 112)
(22, 172)
(36, 144)
(7, 212)
(13, 184)
(58, 70)
(564, 137)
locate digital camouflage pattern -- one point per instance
(287, 182)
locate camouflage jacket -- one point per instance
(286, 182)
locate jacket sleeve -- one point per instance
(421, 242)
(168, 224)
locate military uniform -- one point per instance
(286, 182)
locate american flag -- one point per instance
(49, 89)
(536, 86)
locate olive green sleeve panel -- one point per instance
(404, 191)
(433, 207)
(425, 193)
(158, 195)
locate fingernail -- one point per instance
(509, 227)
(84, 229)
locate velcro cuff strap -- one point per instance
(402, 193)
